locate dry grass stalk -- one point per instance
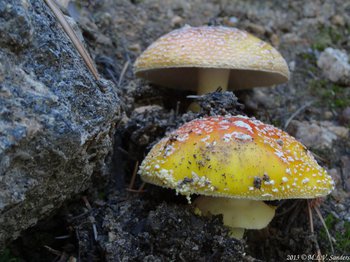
(75, 40)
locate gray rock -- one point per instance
(310, 9)
(318, 135)
(345, 162)
(260, 98)
(335, 65)
(56, 124)
(345, 116)
(335, 173)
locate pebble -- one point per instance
(233, 20)
(339, 227)
(149, 108)
(263, 98)
(335, 174)
(230, 21)
(340, 207)
(328, 115)
(176, 21)
(103, 40)
(338, 20)
(335, 214)
(317, 134)
(255, 29)
(275, 40)
(111, 236)
(335, 65)
(135, 48)
(345, 116)
(291, 39)
(259, 98)
(345, 163)
(292, 65)
(310, 9)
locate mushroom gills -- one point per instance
(238, 214)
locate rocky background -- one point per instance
(56, 125)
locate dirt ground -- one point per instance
(110, 223)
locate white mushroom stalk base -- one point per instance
(237, 214)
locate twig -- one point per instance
(79, 216)
(319, 157)
(310, 217)
(86, 201)
(177, 108)
(63, 237)
(135, 190)
(132, 182)
(125, 67)
(325, 227)
(194, 96)
(141, 187)
(296, 113)
(73, 37)
(311, 221)
(133, 177)
(53, 251)
(94, 229)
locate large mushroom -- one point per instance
(205, 58)
(235, 163)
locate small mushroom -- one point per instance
(235, 163)
(205, 58)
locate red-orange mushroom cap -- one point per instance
(235, 162)
(236, 157)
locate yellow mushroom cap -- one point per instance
(175, 58)
(235, 156)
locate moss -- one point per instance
(309, 56)
(327, 36)
(310, 62)
(331, 95)
(342, 243)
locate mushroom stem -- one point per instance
(238, 214)
(210, 79)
